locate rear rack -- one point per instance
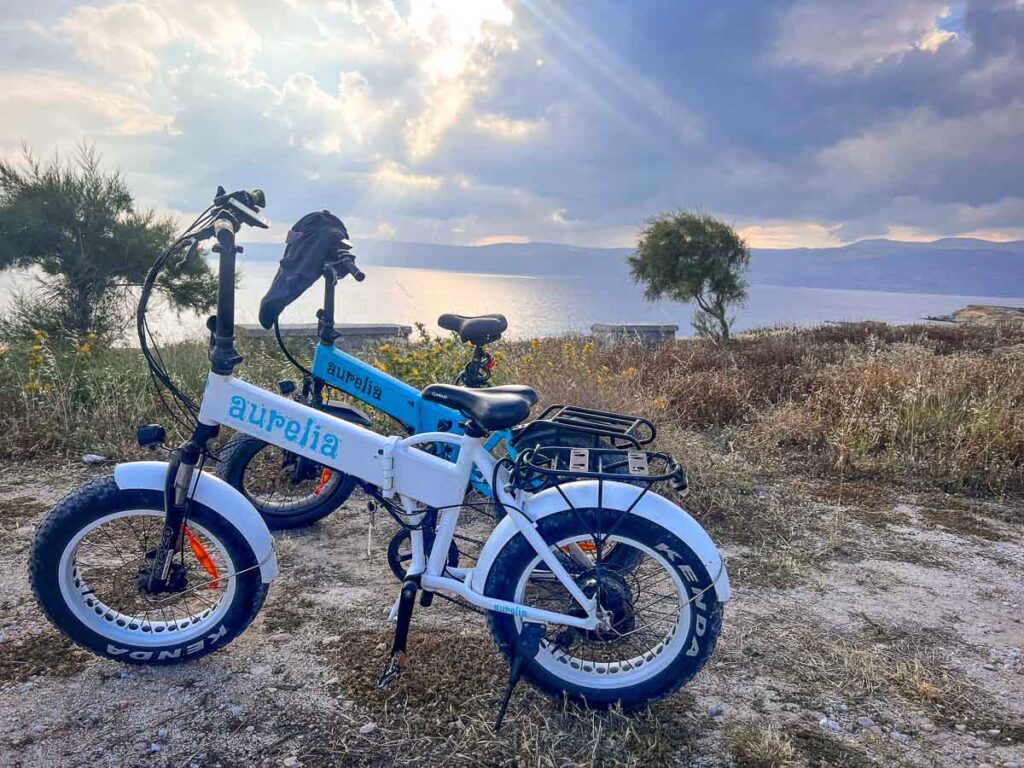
(547, 466)
(620, 430)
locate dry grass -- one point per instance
(939, 404)
(762, 748)
(443, 711)
(910, 667)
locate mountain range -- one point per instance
(955, 265)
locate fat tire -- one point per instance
(234, 459)
(98, 498)
(516, 556)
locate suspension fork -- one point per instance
(181, 470)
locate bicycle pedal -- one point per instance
(396, 665)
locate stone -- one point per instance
(290, 761)
(989, 667)
(902, 738)
(830, 725)
(367, 729)
(154, 747)
(237, 711)
(716, 710)
(961, 728)
(93, 458)
(865, 722)
(37, 728)
(162, 733)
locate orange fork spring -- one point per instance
(204, 558)
(324, 477)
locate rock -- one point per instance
(1011, 765)
(237, 711)
(93, 458)
(24, 687)
(927, 727)
(291, 761)
(154, 747)
(716, 710)
(331, 639)
(902, 738)
(961, 728)
(37, 729)
(865, 722)
(367, 729)
(830, 725)
(162, 733)
(877, 730)
(332, 681)
(993, 732)
(989, 667)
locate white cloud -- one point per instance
(508, 128)
(789, 234)
(912, 149)
(49, 110)
(840, 35)
(125, 39)
(392, 178)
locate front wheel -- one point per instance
(288, 491)
(88, 564)
(662, 613)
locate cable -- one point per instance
(287, 354)
(181, 408)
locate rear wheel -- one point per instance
(662, 614)
(89, 562)
(289, 491)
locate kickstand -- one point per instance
(526, 648)
(397, 661)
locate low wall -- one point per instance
(644, 333)
(352, 336)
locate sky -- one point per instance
(801, 122)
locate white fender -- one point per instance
(214, 493)
(614, 495)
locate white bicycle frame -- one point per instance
(398, 468)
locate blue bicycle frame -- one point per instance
(402, 402)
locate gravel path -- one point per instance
(897, 641)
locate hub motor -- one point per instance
(176, 581)
(615, 605)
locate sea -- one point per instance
(547, 306)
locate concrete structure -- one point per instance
(353, 336)
(644, 333)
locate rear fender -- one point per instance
(214, 493)
(614, 495)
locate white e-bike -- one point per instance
(162, 562)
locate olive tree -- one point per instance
(79, 227)
(691, 256)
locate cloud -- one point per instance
(802, 122)
(30, 104)
(840, 35)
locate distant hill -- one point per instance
(955, 265)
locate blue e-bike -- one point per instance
(291, 491)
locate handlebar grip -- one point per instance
(356, 272)
(348, 264)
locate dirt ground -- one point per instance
(867, 628)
